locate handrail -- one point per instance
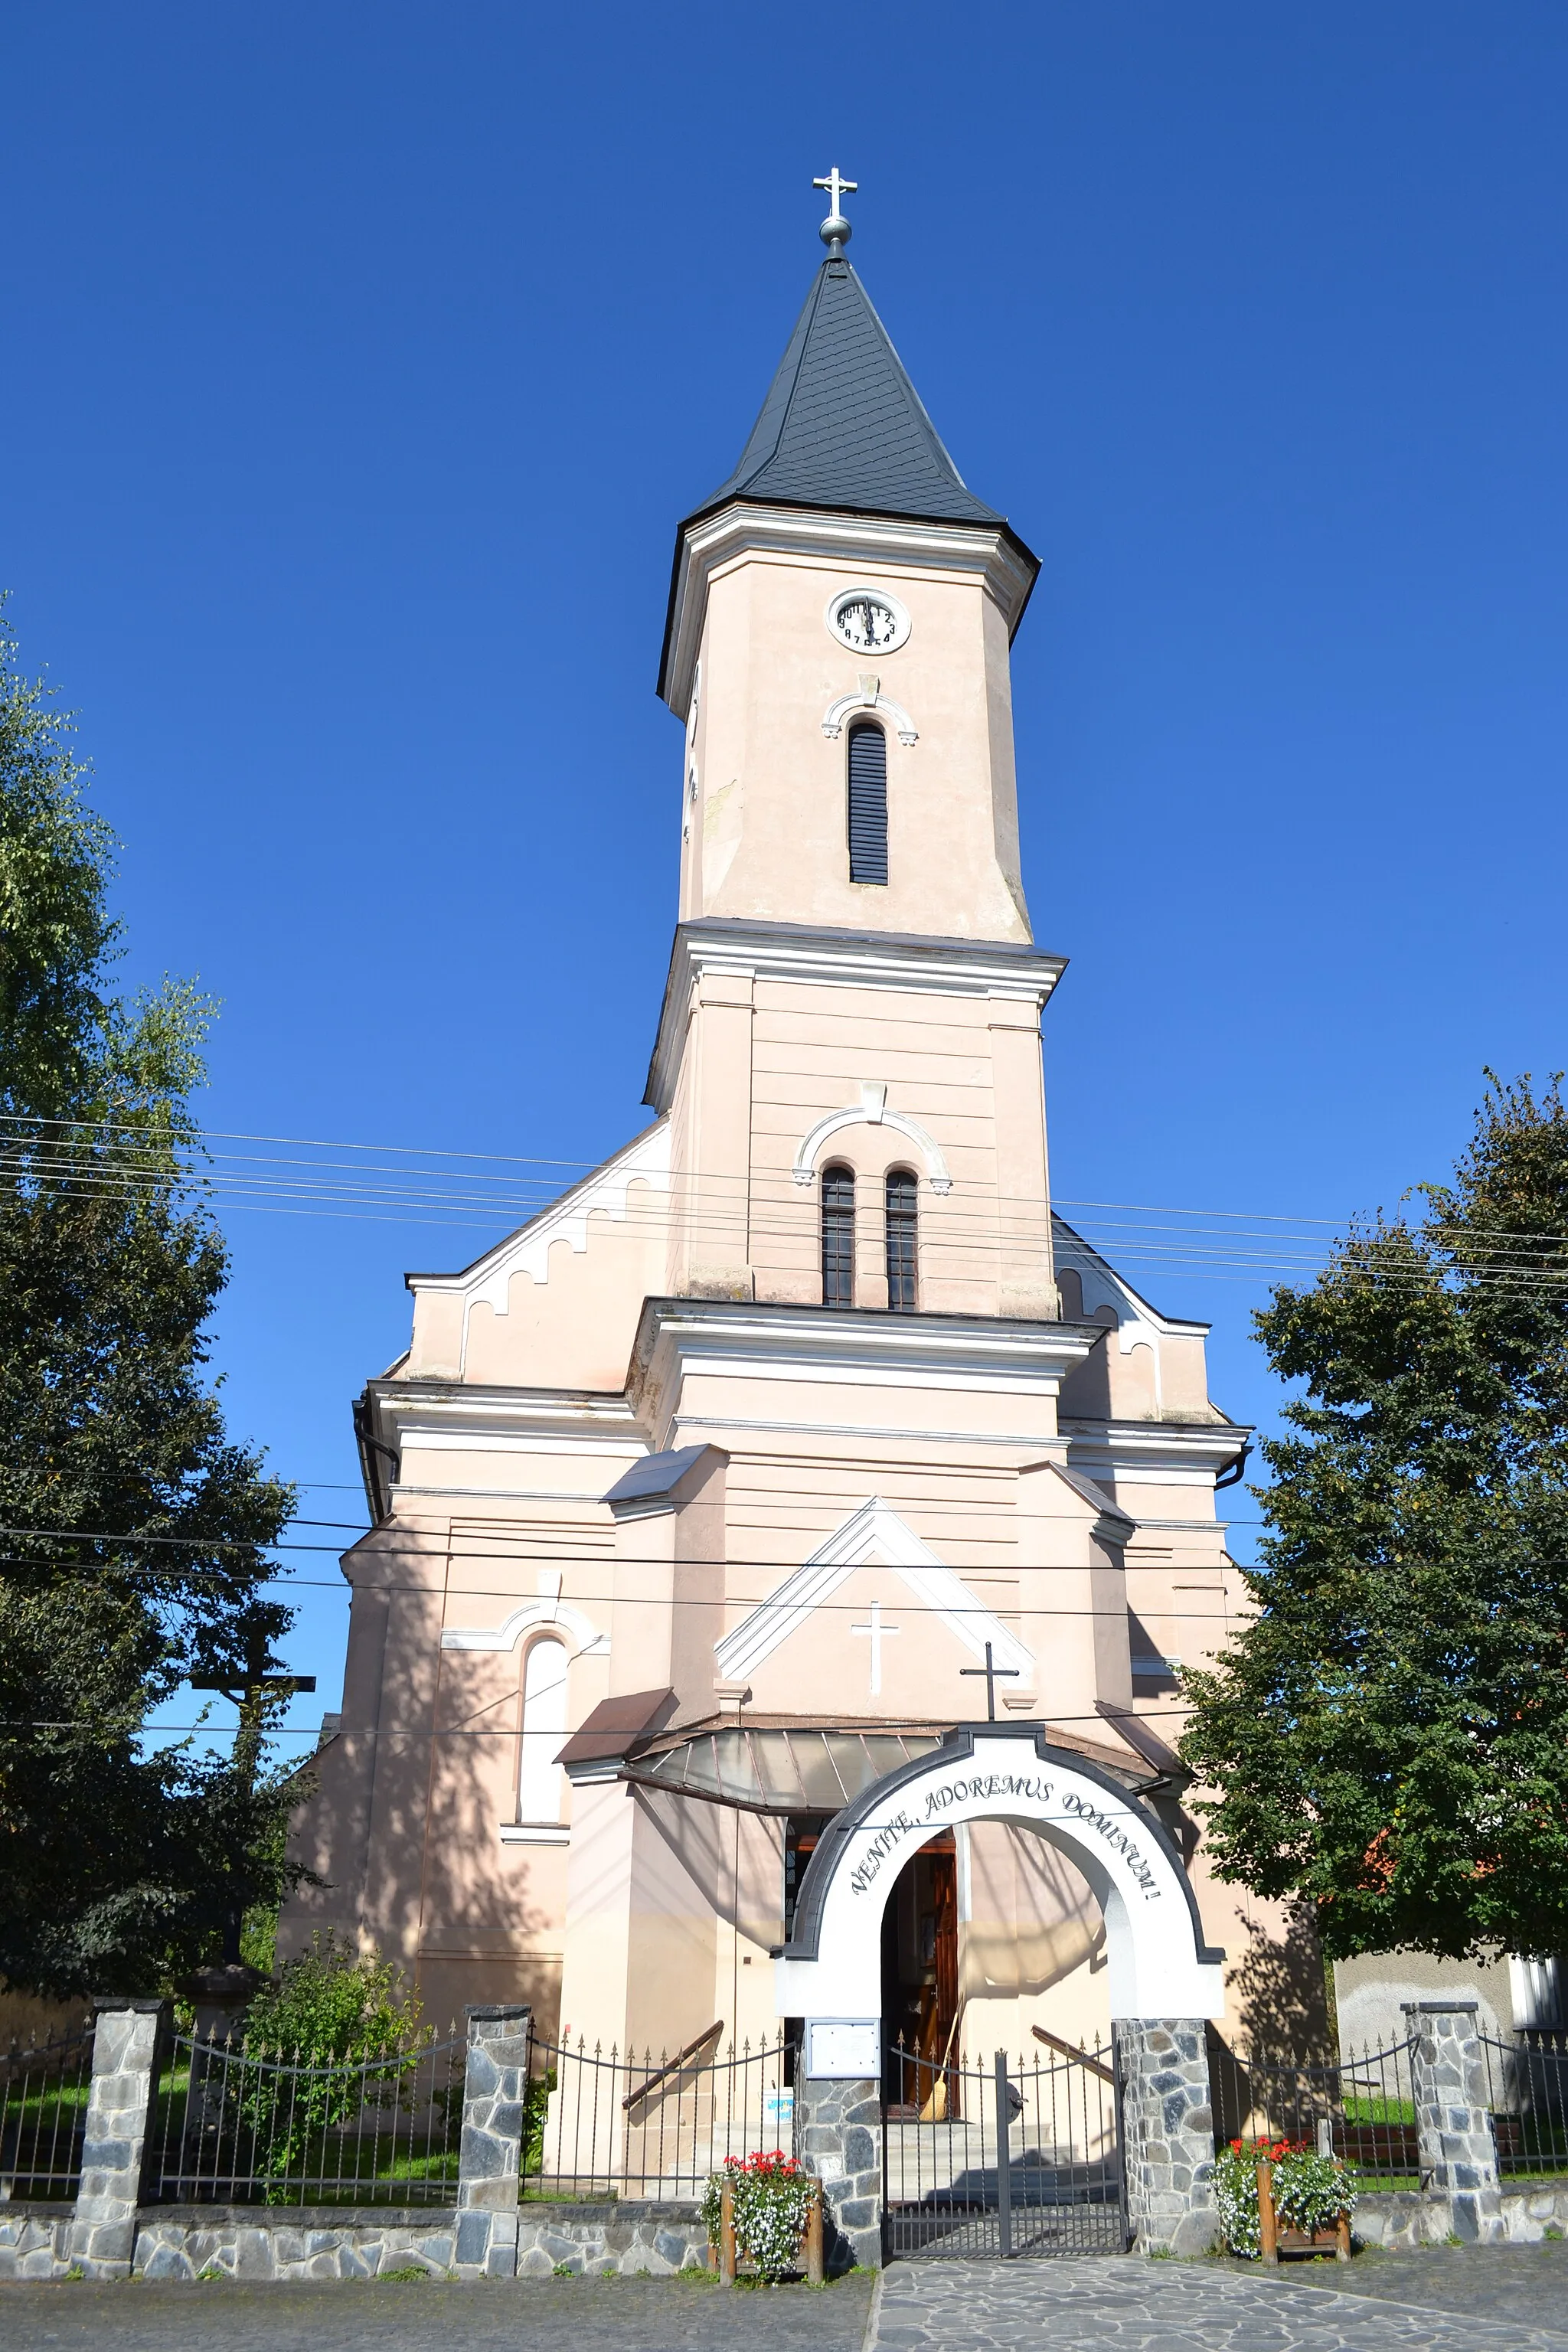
(1079, 2057)
(673, 2066)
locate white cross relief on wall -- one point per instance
(876, 1633)
(873, 1535)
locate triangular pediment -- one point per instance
(873, 1536)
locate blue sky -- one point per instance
(362, 360)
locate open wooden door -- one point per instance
(919, 1978)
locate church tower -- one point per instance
(841, 613)
(800, 1433)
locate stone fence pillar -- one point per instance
(495, 2092)
(839, 2136)
(119, 2112)
(1457, 2150)
(1167, 2134)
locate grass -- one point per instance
(336, 2167)
(1377, 2107)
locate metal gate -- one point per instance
(1010, 2160)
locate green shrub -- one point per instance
(334, 2002)
(335, 2034)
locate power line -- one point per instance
(749, 1179)
(439, 1586)
(874, 1725)
(1182, 1252)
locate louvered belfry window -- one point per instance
(838, 1237)
(868, 804)
(902, 1196)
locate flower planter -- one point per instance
(809, 2247)
(1279, 2239)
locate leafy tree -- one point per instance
(1388, 1735)
(133, 1532)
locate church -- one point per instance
(802, 1435)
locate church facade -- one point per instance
(803, 1431)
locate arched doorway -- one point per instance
(831, 1969)
(1164, 1980)
(920, 1975)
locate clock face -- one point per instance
(867, 620)
(866, 624)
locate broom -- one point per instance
(935, 2108)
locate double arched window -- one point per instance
(868, 803)
(901, 1229)
(544, 1731)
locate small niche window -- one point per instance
(838, 1237)
(903, 1235)
(543, 1732)
(868, 803)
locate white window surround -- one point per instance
(836, 712)
(534, 1833)
(545, 1721)
(872, 1536)
(871, 1110)
(587, 1640)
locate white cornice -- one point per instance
(1153, 1453)
(833, 959)
(970, 1355)
(853, 540)
(446, 1417)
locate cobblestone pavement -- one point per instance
(1468, 2299)
(1474, 2300)
(599, 2315)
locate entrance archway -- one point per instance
(1164, 1980)
(1160, 1966)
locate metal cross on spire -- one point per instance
(835, 231)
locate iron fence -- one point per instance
(44, 2092)
(1358, 2106)
(1527, 2088)
(239, 2125)
(600, 2124)
(1003, 2157)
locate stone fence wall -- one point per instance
(328, 2241)
(110, 2232)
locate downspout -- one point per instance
(369, 1448)
(1230, 1475)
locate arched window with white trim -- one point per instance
(838, 1237)
(902, 1199)
(544, 1731)
(868, 803)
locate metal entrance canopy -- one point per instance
(801, 1771)
(783, 1767)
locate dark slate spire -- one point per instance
(843, 425)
